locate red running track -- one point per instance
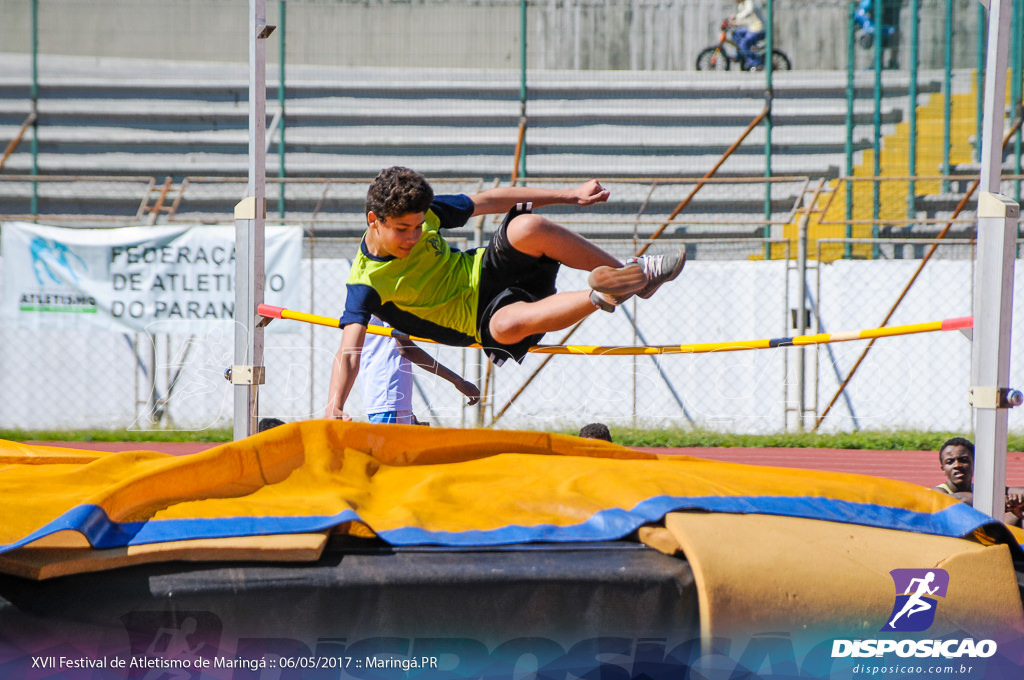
(917, 467)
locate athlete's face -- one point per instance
(394, 236)
(958, 467)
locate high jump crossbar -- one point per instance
(269, 312)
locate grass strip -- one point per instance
(898, 440)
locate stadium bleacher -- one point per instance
(171, 121)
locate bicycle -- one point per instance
(722, 56)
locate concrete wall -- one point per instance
(574, 34)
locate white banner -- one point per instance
(170, 279)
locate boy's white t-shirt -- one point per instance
(750, 16)
(386, 374)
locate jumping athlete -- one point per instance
(502, 296)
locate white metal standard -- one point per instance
(993, 283)
(250, 218)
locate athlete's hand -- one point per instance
(335, 413)
(590, 192)
(470, 390)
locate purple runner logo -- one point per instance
(916, 593)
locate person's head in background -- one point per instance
(596, 431)
(956, 456)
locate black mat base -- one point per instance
(362, 611)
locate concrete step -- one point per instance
(118, 76)
(180, 165)
(718, 208)
(597, 139)
(192, 115)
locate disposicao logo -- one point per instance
(917, 593)
(916, 603)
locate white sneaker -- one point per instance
(659, 269)
(607, 301)
(611, 286)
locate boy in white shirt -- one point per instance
(386, 368)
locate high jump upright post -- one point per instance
(993, 281)
(247, 371)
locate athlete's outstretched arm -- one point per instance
(502, 199)
(409, 350)
(344, 370)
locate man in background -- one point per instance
(956, 457)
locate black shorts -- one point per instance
(508, 276)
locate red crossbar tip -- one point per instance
(270, 311)
(958, 323)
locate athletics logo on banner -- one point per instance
(916, 593)
(160, 278)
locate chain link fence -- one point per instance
(737, 287)
(124, 113)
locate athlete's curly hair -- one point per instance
(398, 191)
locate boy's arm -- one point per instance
(1014, 510)
(410, 351)
(502, 199)
(344, 370)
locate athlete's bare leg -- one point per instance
(519, 320)
(538, 236)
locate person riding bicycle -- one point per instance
(864, 21)
(748, 29)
